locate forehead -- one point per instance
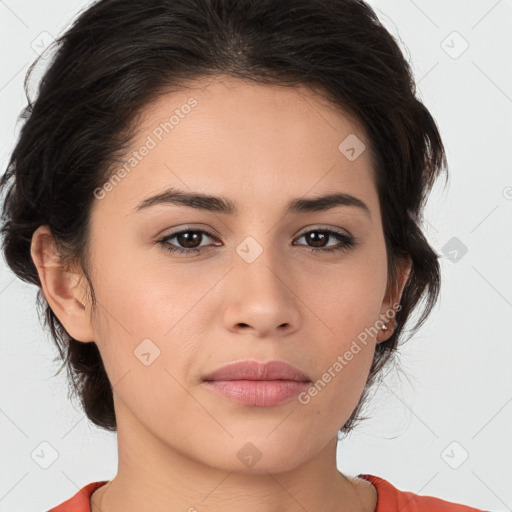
(252, 141)
(232, 104)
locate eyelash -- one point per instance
(348, 241)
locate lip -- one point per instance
(253, 370)
(258, 384)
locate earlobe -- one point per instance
(62, 288)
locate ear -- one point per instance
(62, 288)
(393, 296)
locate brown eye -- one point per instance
(189, 239)
(319, 238)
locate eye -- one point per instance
(346, 241)
(190, 240)
(187, 237)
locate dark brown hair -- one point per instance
(119, 55)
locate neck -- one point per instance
(154, 476)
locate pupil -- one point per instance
(186, 239)
(320, 236)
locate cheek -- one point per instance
(143, 296)
(348, 295)
(149, 319)
(348, 301)
(162, 312)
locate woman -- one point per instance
(220, 201)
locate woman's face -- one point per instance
(256, 290)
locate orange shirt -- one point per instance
(390, 499)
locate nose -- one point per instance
(260, 297)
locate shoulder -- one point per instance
(391, 498)
(81, 501)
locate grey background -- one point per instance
(439, 427)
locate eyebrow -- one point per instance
(226, 206)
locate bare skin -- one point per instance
(260, 146)
(361, 498)
(365, 493)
